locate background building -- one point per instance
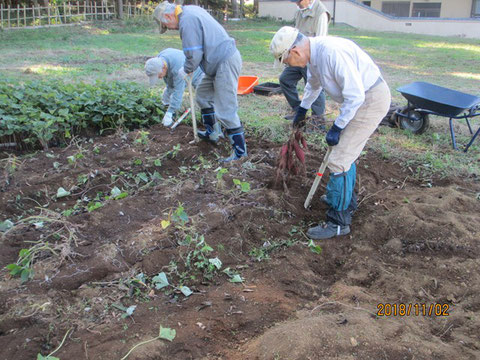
(430, 17)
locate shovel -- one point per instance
(192, 107)
(317, 180)
(184, 115)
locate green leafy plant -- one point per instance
(26, 258)
(198, 259)
(263, 252)
(163, 333)
(142, 138)
(39, 112)
(314, 248)
(94, 205)
(241, 187)
(234, 276)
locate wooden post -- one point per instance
(33, 15)
(48, 13)
(8, 16)
(1, 15)
(24, 15)
(64, 13)
(18, 15)
(103, 10)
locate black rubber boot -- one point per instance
(213, 131)
(237, 139)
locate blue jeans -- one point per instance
(288, 82)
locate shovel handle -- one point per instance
(318, 178)
(192, 107)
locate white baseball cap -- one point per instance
(159, 12)
(153, 67)
(282, 41)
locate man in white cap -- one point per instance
(207, 45)
(311, 19)
(352, 79)
(166, 66)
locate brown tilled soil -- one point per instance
(412, 242)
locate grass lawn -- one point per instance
(117, 52)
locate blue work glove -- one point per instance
(299, 119)
(333, 135)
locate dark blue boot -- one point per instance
(237, 139)
(213, 131)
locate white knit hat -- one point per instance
(282, 41)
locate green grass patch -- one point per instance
(117, 51)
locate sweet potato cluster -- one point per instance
(291, 160)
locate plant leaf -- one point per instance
(167, 333)
(245, 187)
(5, 225)
(160, 281)
(216, 262)
(236, 279)
(115, 192)
(314, 248)
(165, 224)
(185, 290)
(61, 192)
(130, 310)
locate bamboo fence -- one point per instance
(67, 13)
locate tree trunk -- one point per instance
(120, 9)
(235, 9)
(255, 7)
(242, 8)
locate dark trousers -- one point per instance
(288, 82)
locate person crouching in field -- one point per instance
(351, 78)
(166, 66)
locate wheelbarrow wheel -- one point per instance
(417, 123)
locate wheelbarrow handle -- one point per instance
(318, 178)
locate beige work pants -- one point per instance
(355, 135)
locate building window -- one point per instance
(426, 9)
(476, 8)
(396, 8)
(368, 3)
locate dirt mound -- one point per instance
(142, 204)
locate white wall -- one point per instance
(365, 18)
(283, 10)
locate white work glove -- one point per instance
(182, 73)
(167, 119)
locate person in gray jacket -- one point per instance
(166, 66)
(207, 45)
(311, 19)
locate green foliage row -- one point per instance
(39, 111)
